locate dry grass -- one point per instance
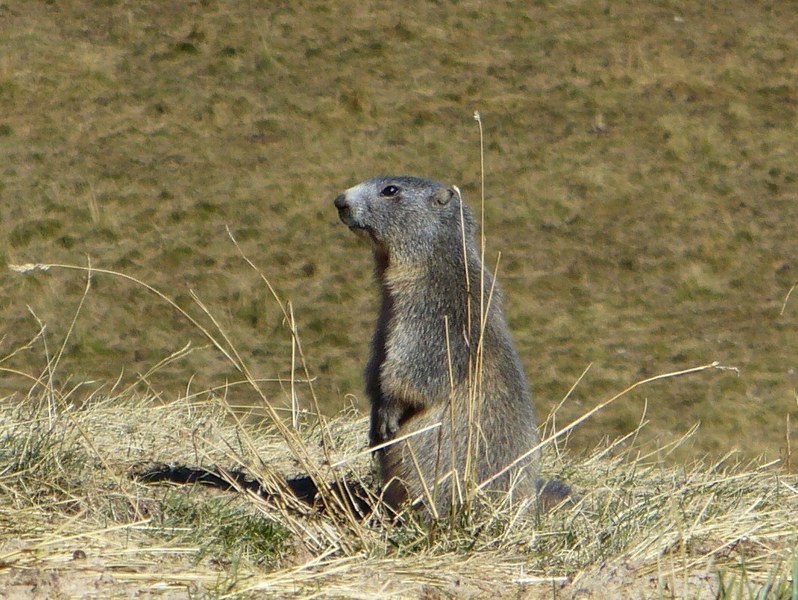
(73, 520)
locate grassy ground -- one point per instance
(75, 525)
(640, 184)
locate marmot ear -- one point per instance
(443, 196)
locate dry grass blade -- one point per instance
(597, 408)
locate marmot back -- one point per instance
(436, 366)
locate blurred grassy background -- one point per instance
(641, 172)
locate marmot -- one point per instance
(435, 364)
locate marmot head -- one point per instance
(408, 219)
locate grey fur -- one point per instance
(414, 378)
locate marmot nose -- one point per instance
(340, 202)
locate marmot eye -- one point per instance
(389, 191)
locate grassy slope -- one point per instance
(641, 185)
